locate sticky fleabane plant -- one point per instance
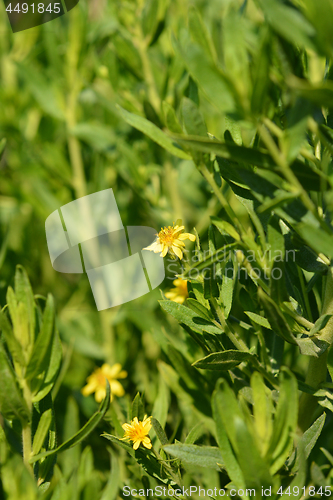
(256, 122)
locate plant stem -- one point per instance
(217, 191)
(281, 162)
(317, 368)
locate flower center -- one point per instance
(166, 235)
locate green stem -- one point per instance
(141, 44)
(317, 368)
(227, 329)
(217, 191)
(281, 162)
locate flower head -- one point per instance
(97, 383)
(171, 239)
(179, 293)
(137, 432)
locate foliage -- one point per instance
(215, 113)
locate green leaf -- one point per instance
(213, 82)
(137, 409)
(199, 32)
(226, 360)
(46, 383)
(12, 404)
(307, 441)
(262, 412)
(13, 344)
(42, 430)
(153, 132)
(170, 118)
(3, 143)
(110, 491)
(40, 356)
(144, 458)
(44, 91)
(252, 156)
(231, 464)
(200, 309)
(320, 94)
(190, 318)
(275, 317)
(202, 456)
(149, 17)
(24, 293)
(288, 22)
(195, 433)
(320, 324)
(224, 227)
(193, 119)
(285, 421)
(159, 431)
(259, 320)
(83, 432)
(254, 467)
(299, 480)
(98, 136)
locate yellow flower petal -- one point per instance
(100, 394)
(147, 443)
(164, 251)
(136, 444)
(116, 388)
(178, 252)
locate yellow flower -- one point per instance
(170, 239)
(137, 432)
(97, 383)
(179, 293)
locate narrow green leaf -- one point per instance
(159, 431)
(308, 441)
(276, 319)
(224, 227)
(200, 309)
(202, 456)
(320, 324)
(3, 143)
(223, 361)
(110, 491)
(288, 22)
(40, 355)
(137, 409)
(259, 320)
(171, 119)
(195, 433)
(153, 132)
(144, 458)
(83, 432)
(42, 430)
(46, 383)
(193, 119)
(12, 343)
(262, 412)
(12, 404)
(285, 421)
(214, 83)
(190, 318)
(254, 467)
(231, 464)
